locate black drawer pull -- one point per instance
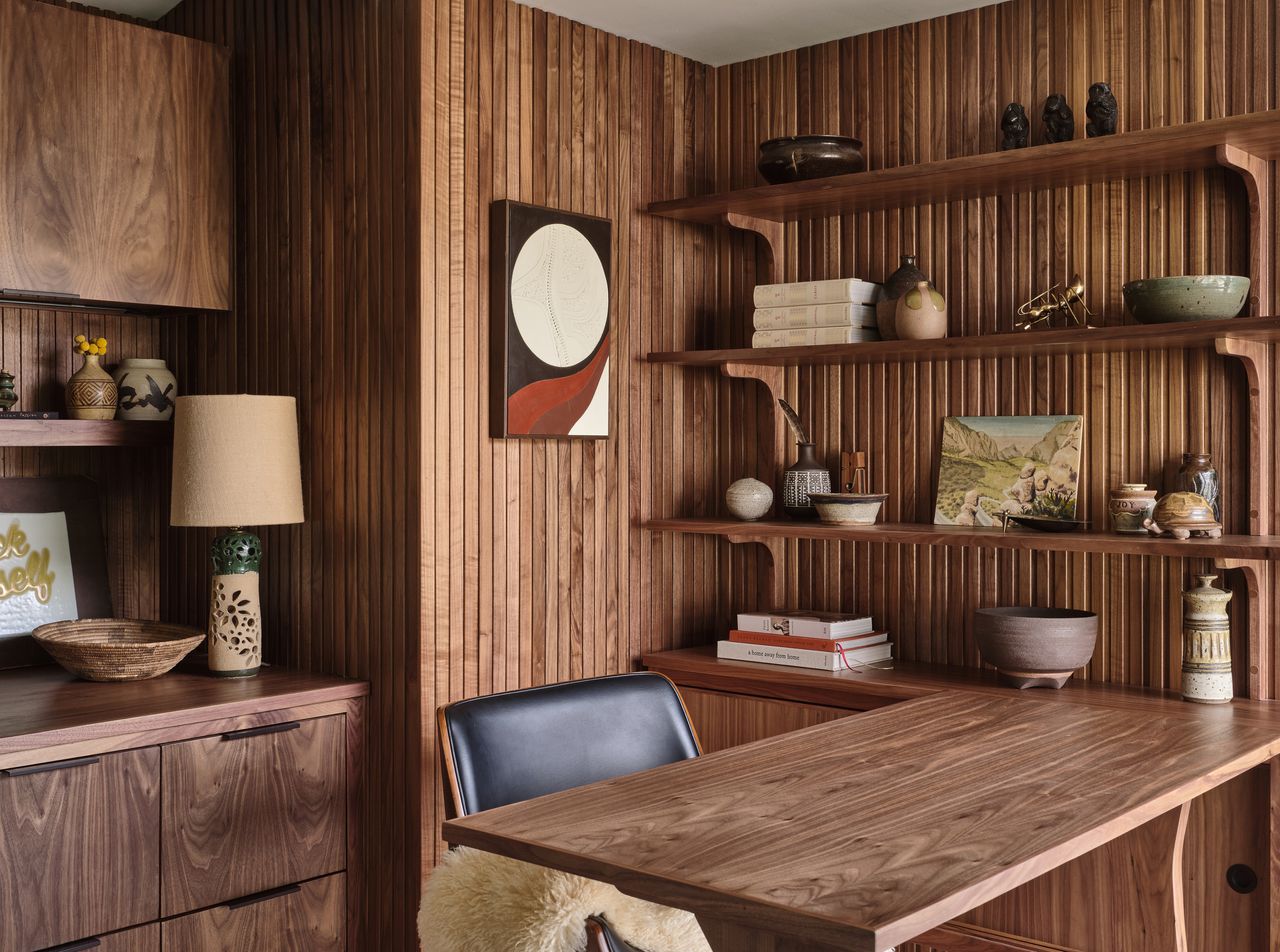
(22, 292)
(264, 896)
(259, 731)
(46, 768)
(79, 946)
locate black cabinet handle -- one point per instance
(264, 896)
(79, 946)
(259, 731)
(23, 292)
(46, 768)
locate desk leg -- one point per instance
(730, 937)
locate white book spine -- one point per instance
(831, 630)
(764, 624)
(836, 291)
(814, 315)
(809, 336)
(802, 657)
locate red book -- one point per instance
(808, 644)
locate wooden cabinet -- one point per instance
(727, 720)
(251, 810)
(78, 847)
(304, 917)
(115, 162)
(189, 812)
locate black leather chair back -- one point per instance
(509, 747)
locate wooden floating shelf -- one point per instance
(1242, 547)
(84, 433)
(1046, 343)
(1147, 152)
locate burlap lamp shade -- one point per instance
(235, 464)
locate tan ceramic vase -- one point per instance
(921, 314)
(1130, 506)
(91, 393)
(1206, 644)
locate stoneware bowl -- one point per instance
(1035, 647)
(849, 509)
(793, 158)
(1190, 297)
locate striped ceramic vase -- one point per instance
(1206, 643)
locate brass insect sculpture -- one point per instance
(1047, 305)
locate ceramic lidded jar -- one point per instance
(748, 499)
(146, 390)
(1206, 644)
(1130, 506)
(806, 475)
(907, 276)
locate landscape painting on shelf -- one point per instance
(1019, 465)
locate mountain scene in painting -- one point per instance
(1022, 465)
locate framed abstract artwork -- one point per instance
(550, 282)
(52, 561)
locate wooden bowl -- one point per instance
(1035, 647)
(117, 649)
(794, 158)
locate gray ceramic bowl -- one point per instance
(1189, 297)
(1035, 647)
(849, 509)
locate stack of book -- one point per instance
(821, 640)
(815, 312)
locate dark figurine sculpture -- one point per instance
(1101, 110)
(1059, 121)
(1015, 127)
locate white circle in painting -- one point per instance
(559, 295)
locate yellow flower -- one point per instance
(83, 348)
(102, 343)
(80, 338)
(93, 349)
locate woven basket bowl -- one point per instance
(117, 649)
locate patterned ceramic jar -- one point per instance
(1130, 506)
(748, 499)
(1206, 644)
(806, 475)
(91, 393)
(146, 390)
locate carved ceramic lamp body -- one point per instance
(1206, 644)
(236, 463)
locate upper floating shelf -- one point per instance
(1228, 547)
(1047, 343)
(1148, 152)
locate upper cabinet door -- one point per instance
(115, 161)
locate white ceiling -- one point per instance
(146, 9)
(716, 32)
(709, 31)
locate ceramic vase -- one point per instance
(1198, 476)
(1206, 644)
(91, 393)
(748, 499)
(145, 390)
(8, 396)
(806, 475)
(907, 276)
(1130, 507)
(921, 314)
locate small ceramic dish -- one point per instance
(850, 509)
(1045, 524)
(1188, 297)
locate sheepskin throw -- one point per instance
(481, 902)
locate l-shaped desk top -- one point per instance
(865, 832)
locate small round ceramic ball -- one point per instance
(748, 499)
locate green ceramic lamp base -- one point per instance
(235, 618)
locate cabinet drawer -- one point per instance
(252, 810)
(141, 939)
(307, 917)
(78, 848)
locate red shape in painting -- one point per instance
(551, 407)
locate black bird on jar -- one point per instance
(1101, 110)
(1059, 121)
(1015, 127)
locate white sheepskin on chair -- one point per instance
(481, 902)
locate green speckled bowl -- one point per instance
(1189, 297)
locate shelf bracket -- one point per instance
(1257, 620)
(1255, 356)
(1253, 170)
(774, 234)
(772, 580)
(769, 429)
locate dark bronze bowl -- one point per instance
(1045, 524)
(794, 158)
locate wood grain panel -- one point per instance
(79, 849)
(308, 919)
(141, 939)
(727, 720)
(252, 811)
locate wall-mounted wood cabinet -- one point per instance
(115, 162)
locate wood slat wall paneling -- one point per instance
(326, 112)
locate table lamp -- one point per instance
(235, 464)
